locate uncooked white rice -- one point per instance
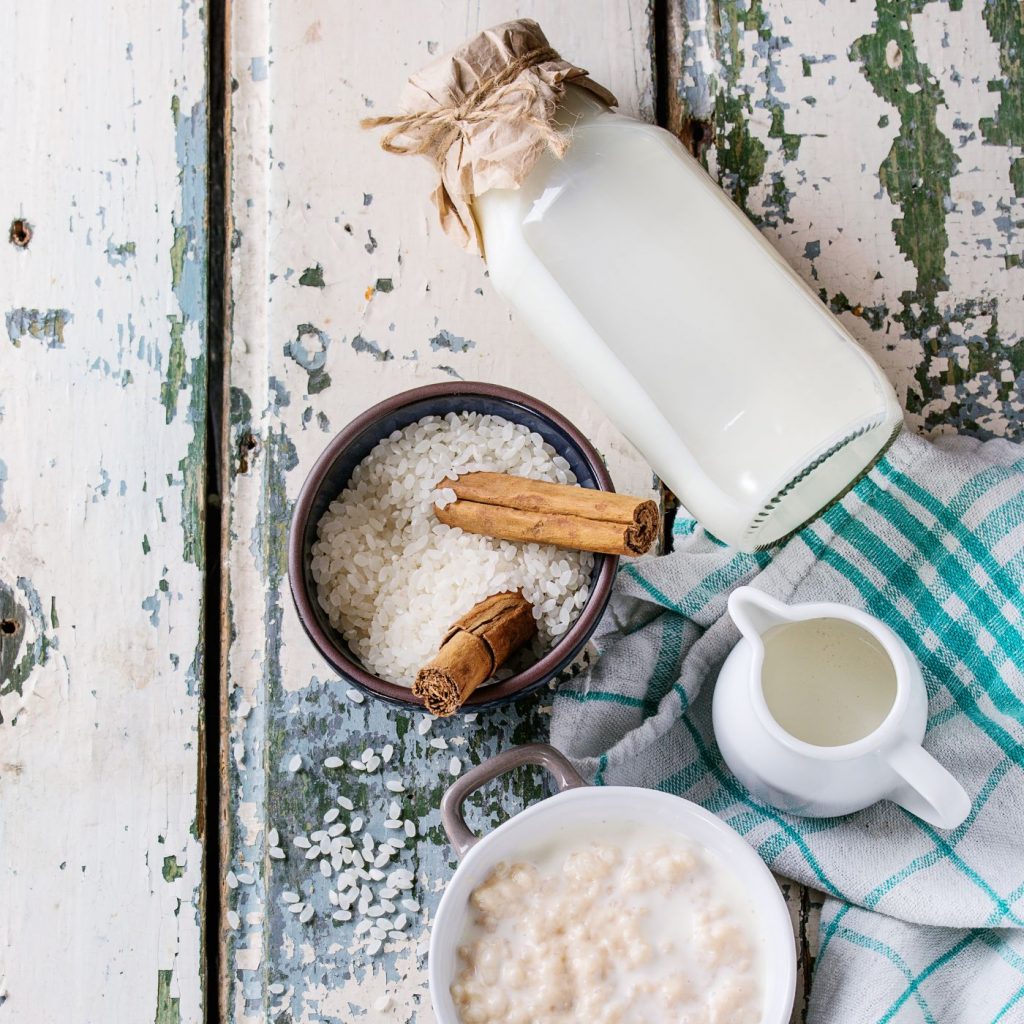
(392, 579)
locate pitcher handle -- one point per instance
(926, 788)
(543, 754)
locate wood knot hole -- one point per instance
(21, 233)
(248, 447)
(8, 627)
(696, 136)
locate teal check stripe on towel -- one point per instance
(920, 925)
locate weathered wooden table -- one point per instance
(177, 355)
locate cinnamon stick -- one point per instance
(473, 649)
(534, 511)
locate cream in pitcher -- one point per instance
(826, 681)
(613, 245)
(821, 710)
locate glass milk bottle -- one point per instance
(747, 397)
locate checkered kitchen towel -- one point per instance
(920, 925)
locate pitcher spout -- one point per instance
(754, 612)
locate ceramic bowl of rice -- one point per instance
(377, 580)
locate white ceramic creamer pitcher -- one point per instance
(821, 710)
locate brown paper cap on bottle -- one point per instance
(483, 115)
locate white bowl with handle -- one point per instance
(579, 804)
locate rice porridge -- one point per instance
(623, 925)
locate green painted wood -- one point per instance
(878, 146)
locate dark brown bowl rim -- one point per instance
(494, 693)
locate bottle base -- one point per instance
(785, 515)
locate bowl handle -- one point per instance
(543, 754)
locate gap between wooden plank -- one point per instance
(214, 701)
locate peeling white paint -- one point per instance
(313, 193)
(101, 865)
(311, 190)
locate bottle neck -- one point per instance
(578, 104)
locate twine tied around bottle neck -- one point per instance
(483, 115)
(431, 132)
